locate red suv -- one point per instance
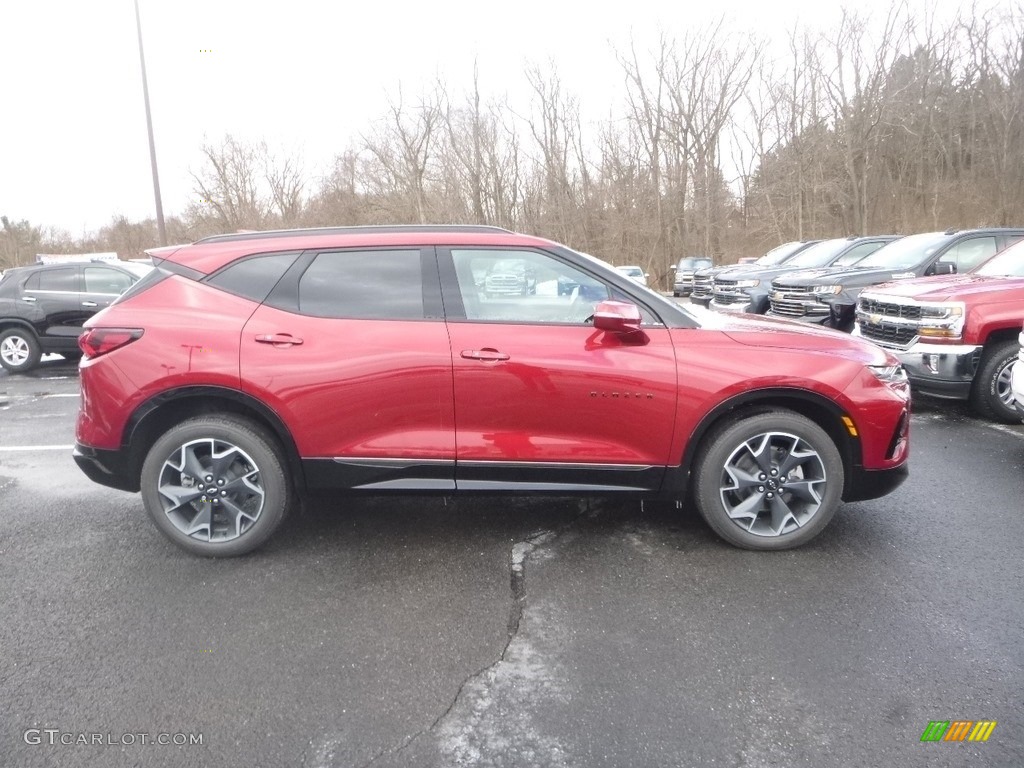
(248, 369)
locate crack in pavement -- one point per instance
(521, 551)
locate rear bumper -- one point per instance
(109, 468)
(874, 483)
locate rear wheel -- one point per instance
(19, 350)
(992, 391)
(768, 481)
(216, 485)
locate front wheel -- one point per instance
(768, 481)
(216, 485)
(992, 391)
(19, 350)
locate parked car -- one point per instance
(956, 335)
(748, 290)
(634, 272)
(828, 296)
(682, 282)
(43, 307)
(703, 278)
(249, 369)
(510, 276)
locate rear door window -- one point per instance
(372, 285)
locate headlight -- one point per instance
(890, 374)
(942, 321)
(828, 289)
(747, 283)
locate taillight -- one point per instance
(98, 341)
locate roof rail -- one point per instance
(363, 229)
(951, 231)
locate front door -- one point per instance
(543, 401)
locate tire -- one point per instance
(727, 476)
(19, 350)
(991, 393)
(249, 478)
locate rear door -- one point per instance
(53, 298)
(543, 401)
(351, 350)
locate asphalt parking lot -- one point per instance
(495, 632)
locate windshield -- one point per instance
(778, 255)
(631, 271)
(1009, 262)
(693, 262)
(819, 254)
(905, 253)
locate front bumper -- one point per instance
(109, 468)
(874, 483)
(941, 370)
(733, 308)
(1017, 382)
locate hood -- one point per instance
(760, 331)
(754, 272)
(951, 287)
(718, 271)
(846, 276)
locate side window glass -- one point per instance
(378, 285)
(106, 281)
(969, 253)
(32, 284)
(255, 277)
(59, 280)
(525, 287)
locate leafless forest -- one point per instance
(720, 145)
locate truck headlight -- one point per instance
(942, 321)
(827, 289)
(747, 283)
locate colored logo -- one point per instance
(958, 730)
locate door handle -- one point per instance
(89, 304)
(487, 353)
(29, 298)
(280, 339)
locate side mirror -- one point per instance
(617, 317)
(943, 268)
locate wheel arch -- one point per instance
(818, 408)
(7, 323)
(161, 412)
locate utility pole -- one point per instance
(149, 127)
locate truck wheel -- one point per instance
(216, 485)
(767, 481)
(19, 350)
(991, 393)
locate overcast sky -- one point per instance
(303, 74)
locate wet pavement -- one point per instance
(509, 632)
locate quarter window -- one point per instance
(377, 285)
(63, 280)
(254, 277)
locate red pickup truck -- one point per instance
(956, 335)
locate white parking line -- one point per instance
(36, 448)
(1005, 428)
